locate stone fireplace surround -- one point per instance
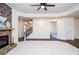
(11, 45)
(6, 11)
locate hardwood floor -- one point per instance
(72, 42)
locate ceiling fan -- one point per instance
(44, 5)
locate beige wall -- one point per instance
(20, 29)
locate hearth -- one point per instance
(4, 41)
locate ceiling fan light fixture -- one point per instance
(43, 6)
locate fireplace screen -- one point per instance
(3, 41)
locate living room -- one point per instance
(60, 21)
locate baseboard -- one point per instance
(21, 39)
(39, 39)
(76, 39)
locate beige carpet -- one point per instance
(44, 48)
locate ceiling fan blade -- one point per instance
(35, 5)
(45, 9)
(38, 8)
(50, 5)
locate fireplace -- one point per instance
(4, 41)
(5, 37)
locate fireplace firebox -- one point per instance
(4, 41)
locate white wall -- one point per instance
(76, 28)
(53, 27)
(41, 29)
(62, 34)
(15, 25)
(65, 28)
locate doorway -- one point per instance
(24, 27)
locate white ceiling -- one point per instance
(26, 8)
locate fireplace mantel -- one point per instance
(6, 29)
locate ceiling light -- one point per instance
(43, 6)
(30, 22)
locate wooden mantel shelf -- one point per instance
(6, 29)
